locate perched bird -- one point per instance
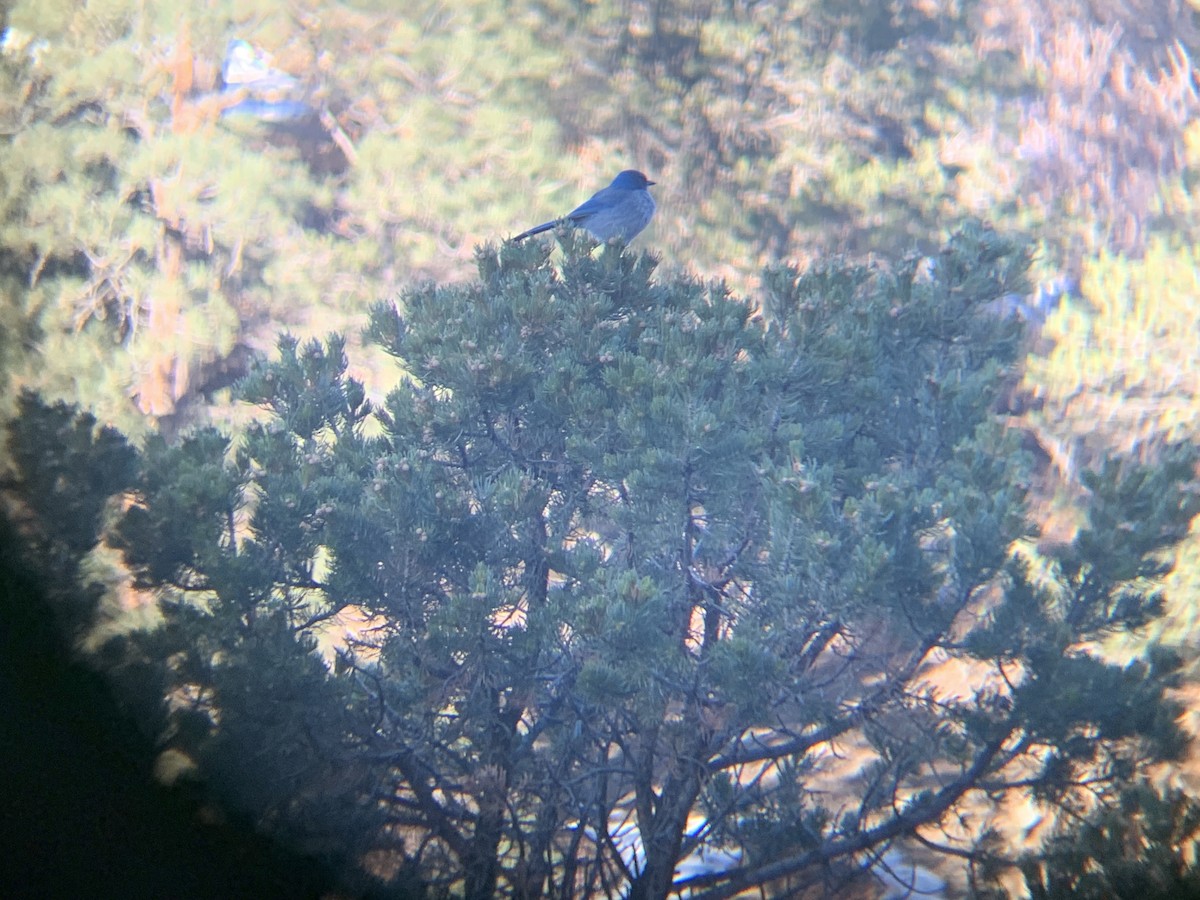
(620, 210)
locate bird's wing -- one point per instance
(598, 202)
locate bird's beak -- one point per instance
(649, 182)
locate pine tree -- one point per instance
(147, 241)
(623, 556)
(1142, 845)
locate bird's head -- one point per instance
(632, 180)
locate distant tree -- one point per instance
(148, 241)
(798, 129)
(624, 567)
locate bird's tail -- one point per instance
(537, 229)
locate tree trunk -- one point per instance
(662, 838)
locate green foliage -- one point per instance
(64, 472)
(146, 243)
(1144, 845)
(71, 487)
(618, 547)
(810, 128)
(79, 771)
(1122, 360)
(1120, 378)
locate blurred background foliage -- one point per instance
(148, 241)
(776, 131)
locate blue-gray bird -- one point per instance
(620, 210)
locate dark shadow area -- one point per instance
(80, 814)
